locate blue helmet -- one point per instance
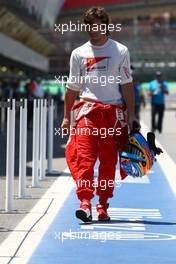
(138, 155)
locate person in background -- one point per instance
(7, 89)
(30, 88)
(15, 84)
(157, 90)
(38, 91)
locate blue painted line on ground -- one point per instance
(137, 233)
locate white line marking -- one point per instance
(166, 163)
(132, 228)
(59, 190)
(140, 180)
(133, 209)
(104, 236)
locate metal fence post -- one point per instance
(9, 202)
(35, 161)
(23, 149)
(44, 136)
(50, 134)
(41, 176)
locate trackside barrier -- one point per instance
(35, 149)
(9, 206)
(42, 138)
(23, 149)
(43, 130)
(45, 110)
(50, 134)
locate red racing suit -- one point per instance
(99, 131)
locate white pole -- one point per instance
(23, 149)
(50, 170)
(9, 202)
(38, 136)
(35, 162)
(44, 136)
(50, 136)
(41, 176)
